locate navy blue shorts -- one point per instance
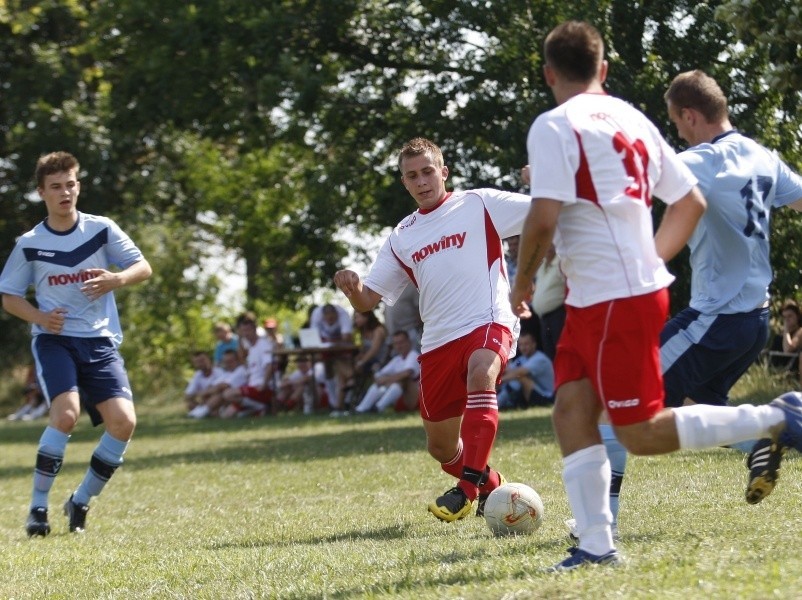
(702, 356)
(92, 366)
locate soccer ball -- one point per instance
(513, 508)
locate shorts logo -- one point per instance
(623, 403)
(45, 253)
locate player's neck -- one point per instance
(62, 222)
(713, 130)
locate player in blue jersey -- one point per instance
(76, 332)
(705, 348)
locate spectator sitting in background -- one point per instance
(277, 340)
(231, 374)
(529, 378)
(244, 344)
(789, 341)
(226, 340)
(405, 314)
(34, 405)
(355, 377)
(296, 389)
(335, 327)
(204, 377)
(254, 396)
(391, 381)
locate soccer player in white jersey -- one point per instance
(450, 249)
(705, 348)
(595, 162)
(76, 332)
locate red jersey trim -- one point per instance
(425, 211)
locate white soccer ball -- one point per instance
(513, 508)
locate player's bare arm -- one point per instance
(104, 281)
(678, 223)
(536, 238)
(361, 297)
(18, 306)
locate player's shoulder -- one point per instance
(97, 221)
(37, 231)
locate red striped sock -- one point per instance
(478, 432)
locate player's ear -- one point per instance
(603, 71)
(444, 172)
(548, 74)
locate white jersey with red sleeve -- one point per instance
(454, 255)
(604, 160)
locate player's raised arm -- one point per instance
(361, 297)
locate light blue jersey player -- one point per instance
(58, 264)
(706, 347)
(76, 332)
(709, 345)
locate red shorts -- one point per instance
(616, 344)
(262, 396)
(444, 370)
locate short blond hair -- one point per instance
(697, 90)
(419, 146)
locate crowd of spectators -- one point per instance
(364, 365)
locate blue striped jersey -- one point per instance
(54, 262)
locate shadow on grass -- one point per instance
(415, 563)
(293, 438)
(390, 532)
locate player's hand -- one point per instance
(54, 320)
(525, 174)
(348, 282)
(102, 282)
(519, 299)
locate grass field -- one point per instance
(311, 507)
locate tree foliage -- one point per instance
(267, 127)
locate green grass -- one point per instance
(311, 507)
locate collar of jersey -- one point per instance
(723, 135)
(425, 211)
(68, 231)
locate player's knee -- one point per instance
(64, 421)
(440, 451)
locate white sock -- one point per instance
(390, 397)
(586, 475)
(371, 396)
(705, 426)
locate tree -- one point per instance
(266, 127)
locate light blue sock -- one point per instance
(105, 459)
(49, 457)
(618, 464)
(745, 447)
